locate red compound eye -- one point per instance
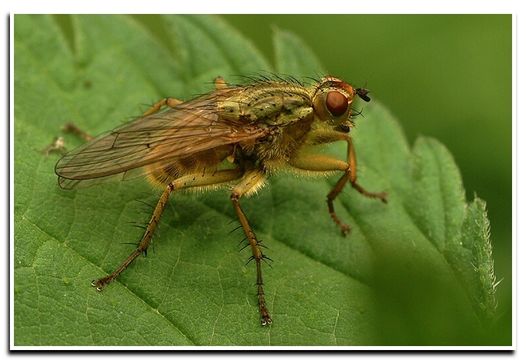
(336, 103)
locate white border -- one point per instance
(266, 7)
(273, 7)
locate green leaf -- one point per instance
(416, 271)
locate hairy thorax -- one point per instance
(284, 109)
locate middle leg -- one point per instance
(184, 182)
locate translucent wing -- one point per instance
(159, 138)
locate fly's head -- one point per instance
(332, 99)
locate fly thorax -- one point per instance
(230, 109)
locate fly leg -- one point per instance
(248, 184)
(220, 83)
(168, 101)
(71, 128)
(184, 182)
(58, 144)
(351, 177)
(351, 173)
(325, 164)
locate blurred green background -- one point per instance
(444, 76)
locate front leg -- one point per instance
(326, 164)
(329, 136)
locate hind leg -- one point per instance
(185, 182)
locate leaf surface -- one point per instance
(416, 271)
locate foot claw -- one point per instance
(57, 146)
(346, 229)
(382, 197)
(100, 284)
(266, 320)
